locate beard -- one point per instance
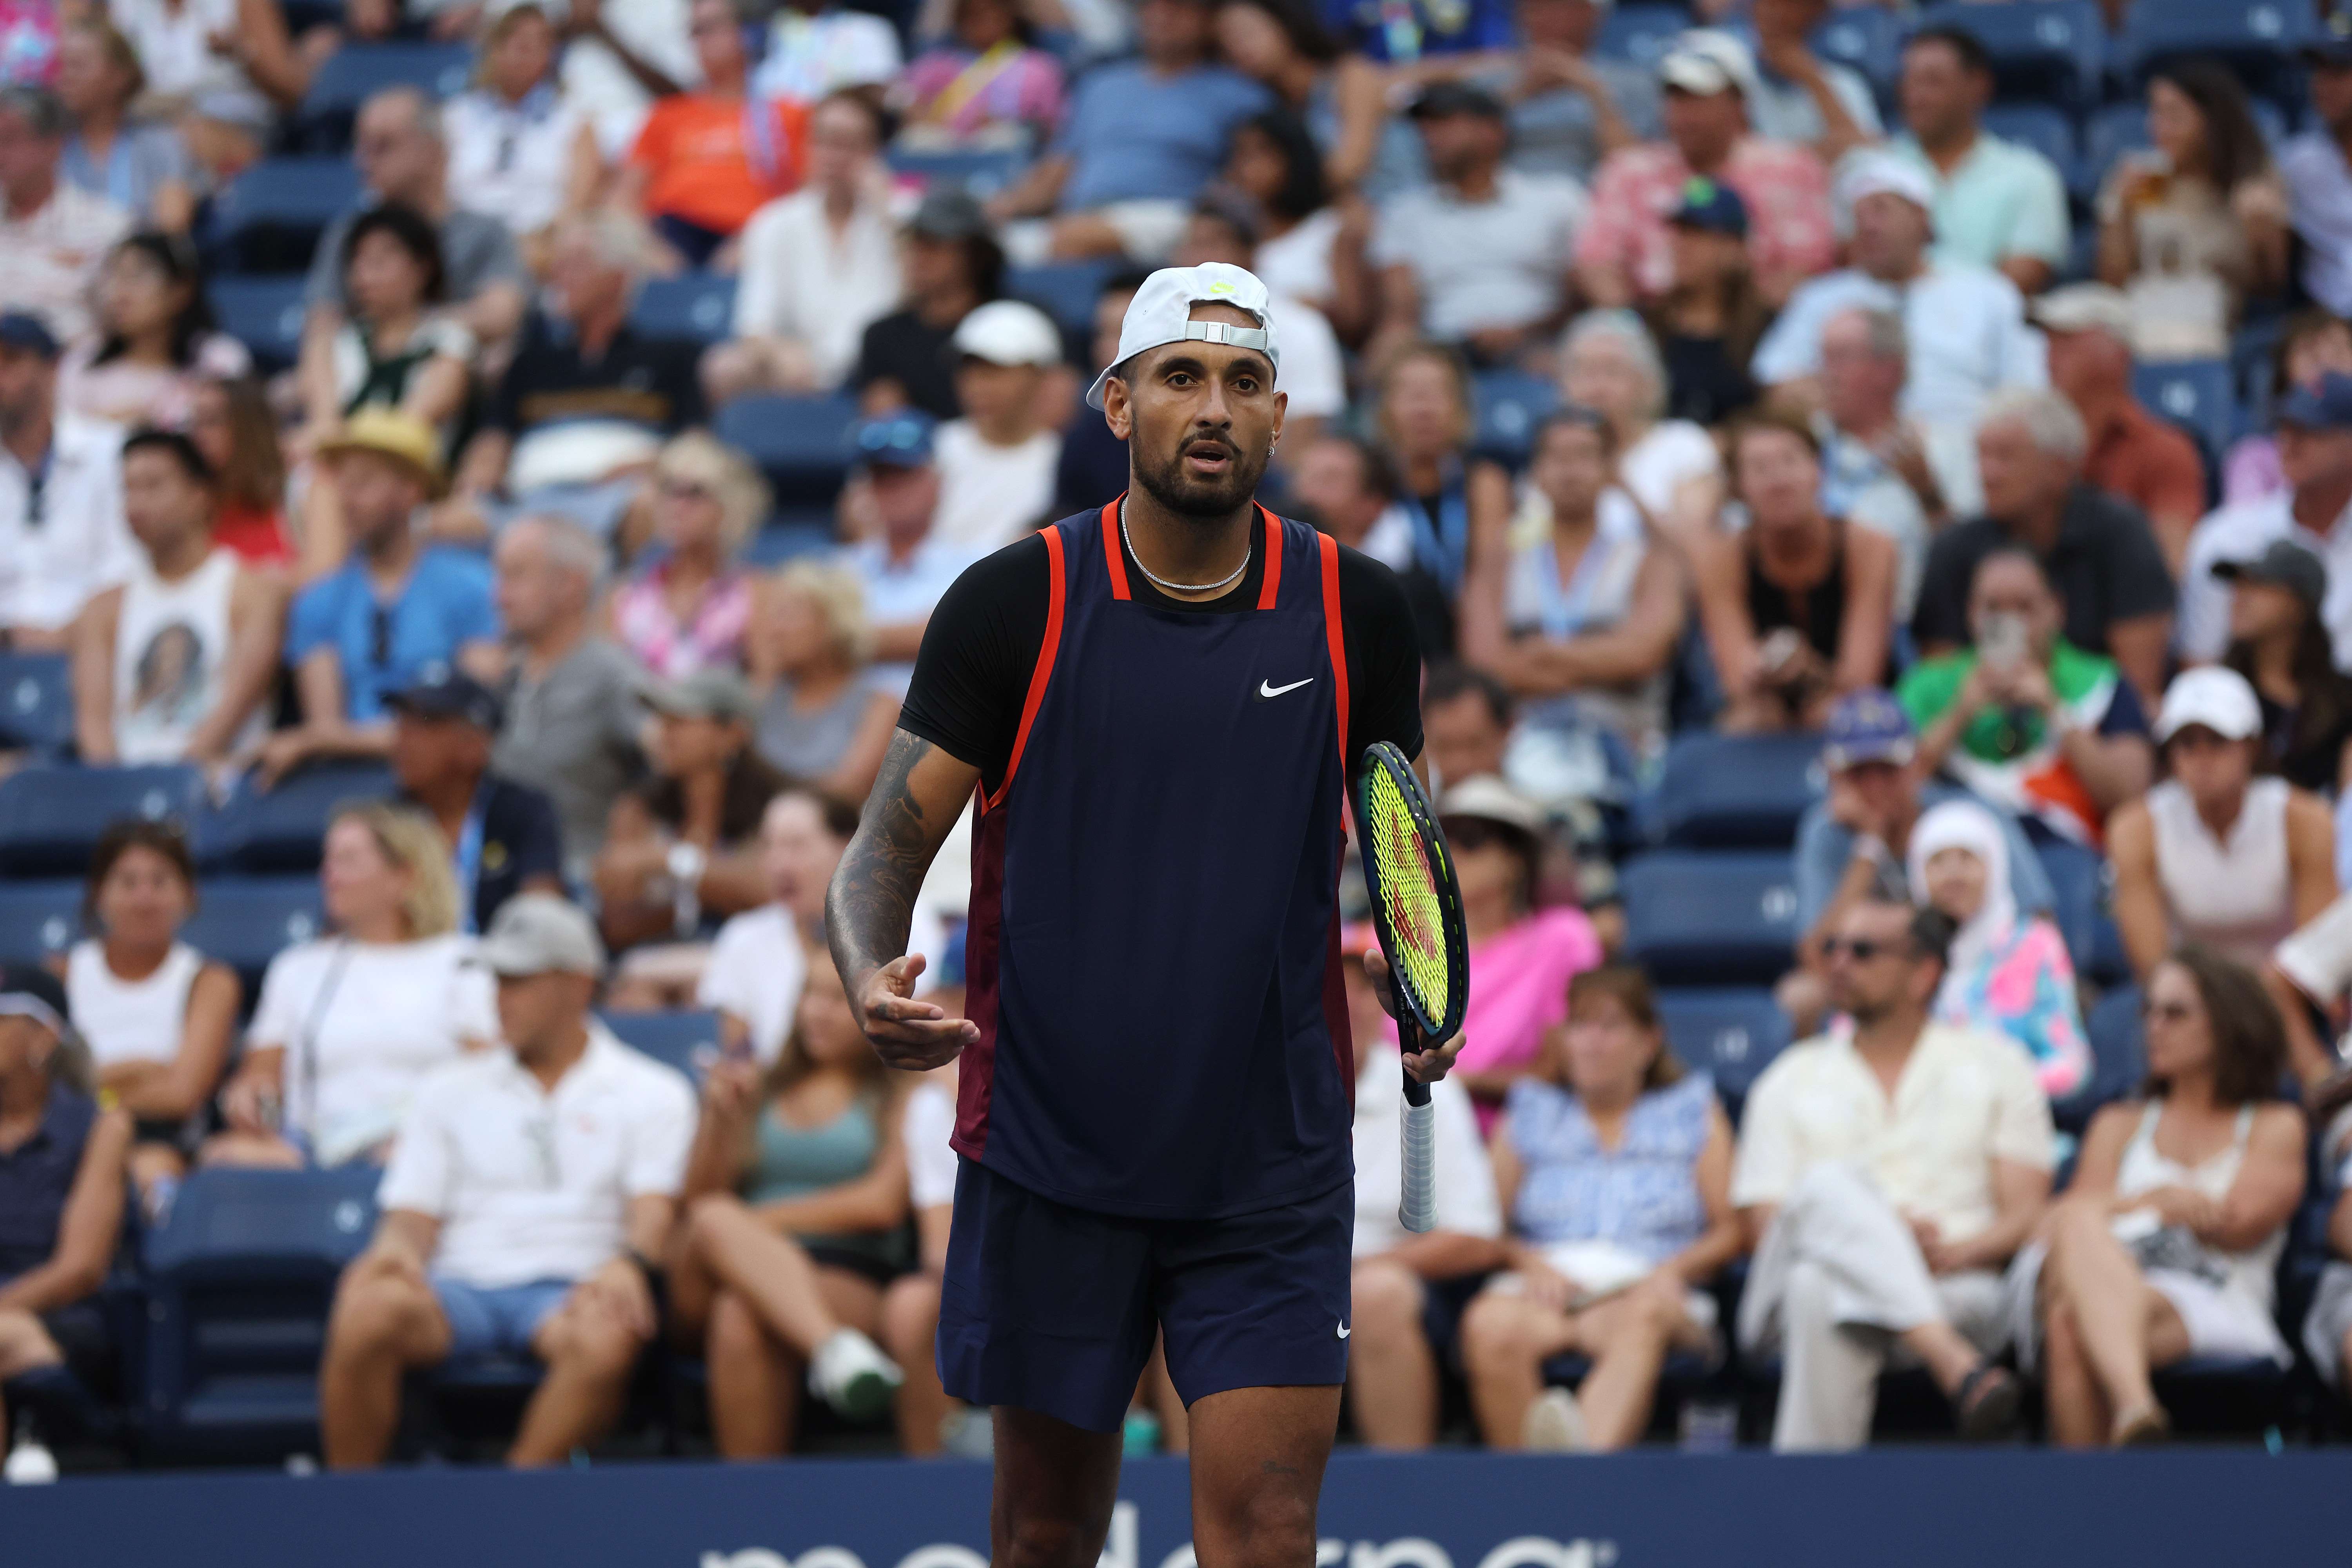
(1207, 498)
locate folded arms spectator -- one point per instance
(1799, 607)
(2024, 718)
(2154, 1257)
(350, 1026)
(177, 664)
(2134, 455)
(396, 605)
(1887, 1176)
(525, 1214)
(157, 1016)
(818, 267)
(2098, 554)
(2214, 855)
(1997, 203)
(62, 537)
(61, 1163)
(2194, 226)
(53, 233)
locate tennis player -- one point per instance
(1157, 704)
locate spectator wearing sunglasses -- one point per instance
(687, 610)
(1886, 1172)
(904, 566)
(395, 608)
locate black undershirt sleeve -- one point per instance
(1383, 658)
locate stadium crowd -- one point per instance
(1764, 385)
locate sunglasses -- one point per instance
(1861, 949)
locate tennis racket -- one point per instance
(1417, 916)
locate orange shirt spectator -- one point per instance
(713, 162)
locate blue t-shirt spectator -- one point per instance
(1137, 134)
(445, 604)
(1403, 31)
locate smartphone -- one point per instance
(2004, 641)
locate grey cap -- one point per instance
(539, 934)
(2285, 564)
(715, 693)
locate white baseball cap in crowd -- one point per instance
(536, 933)
(1709, 60)
(1006, 331)
(2085, 308)
(1161, 312)
(1877, 174)
(2213, 697)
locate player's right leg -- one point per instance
(1055, 1486)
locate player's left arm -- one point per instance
(1384, 704)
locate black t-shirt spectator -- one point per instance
(1710, 384)
(903, 348)
(980, 648)
(521, 840)
(2106, 568)
(646, 380)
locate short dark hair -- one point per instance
(2249, 1036)
(883, 123)
(1932, 931)
(1304, 190)
(1759, 421)
(412, 231)
(2011, 550)
(1975, 58)
(1574, 416)
(1449, 681)
(183, 452)
(122, 837)
(1379, 474)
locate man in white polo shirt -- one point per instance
(530, 1191)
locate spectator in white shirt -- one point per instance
(2314, 458)
(1615, 1166)
(53, 233)
(1393, 1382)
(350, 1026)
(1887, 1174)
(903, 564)
(174, 665)
(62, 537)
(524, 1214)
(520, 150)
(1480, 258)
(997, 463)
(819, 265)
(1966, 323)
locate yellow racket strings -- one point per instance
(1407, 891)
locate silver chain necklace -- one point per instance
(1228, 581)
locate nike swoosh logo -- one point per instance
(1265, 690)
(1343, 1330)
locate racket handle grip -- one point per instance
(1417, 1134)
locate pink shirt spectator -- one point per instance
(674, 649)
(951, 96)
(1518, 990)
(1785, 188)
(28, 44)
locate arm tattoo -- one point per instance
(871, 903)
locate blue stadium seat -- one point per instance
(779, 543)
(802, 444)
(698, 307)
(1065, 290)
(239, 1282)
(1511, 403)
(357, 72)
(265, 314)
(264, 832)
(2198, 395)
(269, 218)
(36, 710)
(51, 818)
(1728, 918)
(1731, 1035)
(2043, 51)
(1737, 792)
(2047, 131)
(1640, 33)
(1865, 39)
(981, 174)
(39, 920)
(245, 922)
(685, 1039)
(2078, 879)
(2117, 1059)
(2258, 42)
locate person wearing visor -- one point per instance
(1159, 704)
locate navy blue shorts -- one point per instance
(1051, 1308)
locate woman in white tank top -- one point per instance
(156, 1016)
(2165, 1246)
(2214, 855)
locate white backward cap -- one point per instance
(1161, 312)
(2212, 697)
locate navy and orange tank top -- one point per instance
(1153, 952)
